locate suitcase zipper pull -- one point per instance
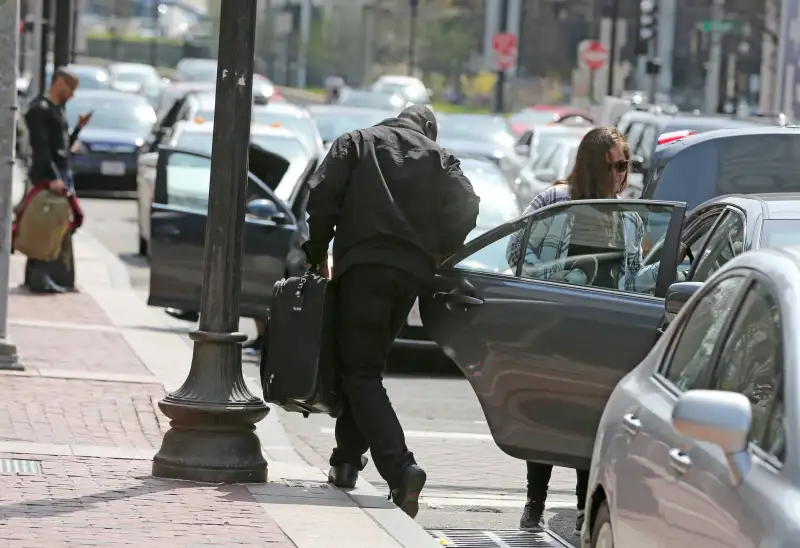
(269, 384)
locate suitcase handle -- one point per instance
(299, 300)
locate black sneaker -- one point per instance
(406, 496)
(532, 517)
(579, 522)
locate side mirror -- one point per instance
(678, 294)
(546, 175)
(721, 418)
(523, 150)
(264, 209)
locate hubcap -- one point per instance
(605, 538)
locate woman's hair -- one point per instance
(592, 176)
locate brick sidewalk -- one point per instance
(85, 397)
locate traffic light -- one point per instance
(647, 20)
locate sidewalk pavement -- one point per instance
(79, 427)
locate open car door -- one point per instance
(545, 314)
(178, 229)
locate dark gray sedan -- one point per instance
(544, 338)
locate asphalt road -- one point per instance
(471, 483)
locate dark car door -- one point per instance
(545, 314)
(163, 125)
(178, 228)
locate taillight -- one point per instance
(518, 129)
(673, 136)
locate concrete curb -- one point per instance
(167, 355)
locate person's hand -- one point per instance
(84, 119)
(57, 186)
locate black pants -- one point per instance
(539, 479)
(61, 271)
(374, 301)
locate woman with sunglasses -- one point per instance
(600, 172)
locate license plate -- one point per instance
(112, 168)
(414, 319)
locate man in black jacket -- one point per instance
(398, 204)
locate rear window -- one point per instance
(748, 164)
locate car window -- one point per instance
(780, 233)
(647, 142)
(491, 256)
(526, 138)
(596, 245)
(188, 179)
(725, 243)
(689, 363)
(758, 164)
(751, 361)
(549, 160)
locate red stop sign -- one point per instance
(594, 56)
(504, 45)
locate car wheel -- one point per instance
(602, 534)
(142, 247)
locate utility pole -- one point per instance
(714, 67)
(612, 49)
(154, 38)
(305, 31)
(73, 46)
(44, 44)
(212, 434)
(63, 37)
(648, 27)
(500, 86)
(412, 36)
(9, 37)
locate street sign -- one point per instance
(716, 26)
(592, 54)
(504, 45)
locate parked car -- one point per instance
(371, 99)
(192, 69)
(175, 91)
(409, 87)
(136, 78)
(554, 164)
(751, 159)
(105, 156)
(542, 115)
(294, 118)
(196, 138)
(642, 129)
(695, 444)
(277, 190)
(336, 120)
(91, 77)
(484, 135)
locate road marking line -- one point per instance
(431, 434)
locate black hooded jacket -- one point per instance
(392, 196)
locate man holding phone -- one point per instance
(51, 143)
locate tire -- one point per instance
(602, 534)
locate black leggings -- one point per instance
(539, 479)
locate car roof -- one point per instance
(338, 109)
(399, 79)
(101, 94)
(206, 99)
(208, 127)
(283, 108)
(565, 129)
(192, 86)
(775, 205)
(131, 66)
(667, 151)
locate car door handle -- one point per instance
(459, 299)
(631, 424)
(679, 460)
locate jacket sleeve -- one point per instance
(458, 214)
(37, 119)
(328, 188)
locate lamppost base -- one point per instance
(9, 360)
(206, 456)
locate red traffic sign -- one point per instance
(593, 55)
(504, 45)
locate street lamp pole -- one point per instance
(212, 432)
(63, 33)
(9, 36)
(412, 36)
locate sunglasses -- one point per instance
(621, 166)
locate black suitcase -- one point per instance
(299, 364)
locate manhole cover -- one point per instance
(20, 467)
(465, 538)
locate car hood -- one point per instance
(92, 135)
(471, 147)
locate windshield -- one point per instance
(88, 78)
(533, 117)
(498, 204)
(488, 129)
(128, 113)
(200, 141)
(780, 233)
(301, 127)
(198, 72)
(372, 100)
(144, 78)
(333, 125)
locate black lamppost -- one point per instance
(212, 433)
(63, 35)
(44, 45)
(412, 36)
